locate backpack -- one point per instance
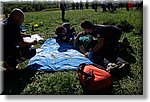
(93, 79)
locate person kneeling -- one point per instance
(65, 33)
(16, 49)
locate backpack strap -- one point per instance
(81, 68)
(87, 76)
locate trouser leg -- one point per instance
(109, 53)
(27, 52)
(10, 58)
(10, 62)
(63, 14)
(105, 62)
(120, 60)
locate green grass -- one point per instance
(63, 83)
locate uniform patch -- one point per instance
(98, 35)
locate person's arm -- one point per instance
(25, 35)
(98, 45)
(26, 44)
(95, 49)
(77, 38)
(82, 49)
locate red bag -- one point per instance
(93, 78)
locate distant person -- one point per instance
(129, 5)
(86, 5)
(103, 6)
(92, 5)
(73, 6)
(111, 6)
(139, 5)
(95, 6)
(81, 5)
(15, 48)
(63, 8)
(77, 6)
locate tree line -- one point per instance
(49, 5)
(28, 6)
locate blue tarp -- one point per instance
(54, 56)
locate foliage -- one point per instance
(29, 6)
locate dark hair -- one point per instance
(59, 29)
(87, 25)
(14, 12)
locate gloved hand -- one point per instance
(90, 55)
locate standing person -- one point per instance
(103, 6)
(77, 6)
(15, 48)
(127, 6)
(97, 42)
(95, 6)
(130, 5)
(81, 5)
(63, 8)
(139, 5)
(86, 5)
(73, 6)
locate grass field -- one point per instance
(66, 82)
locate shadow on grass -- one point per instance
(127, 54)
(16, 80)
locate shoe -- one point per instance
(111, 66)
(21, 59)
(124, 68)
(7, 67)
(122, 65)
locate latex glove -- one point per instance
(34, 42)
(90, 55)
(86, 54)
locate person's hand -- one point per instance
(80, 34)
(26, 35)
(90, 54)
(82, 49)
(34, 42)
(86, 54)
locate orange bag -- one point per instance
(93, 77)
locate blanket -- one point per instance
(57, 56)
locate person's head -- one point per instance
(61, 32)
(87, 26)
(16, 16)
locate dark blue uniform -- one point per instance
(12, 52)
(111, 35)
